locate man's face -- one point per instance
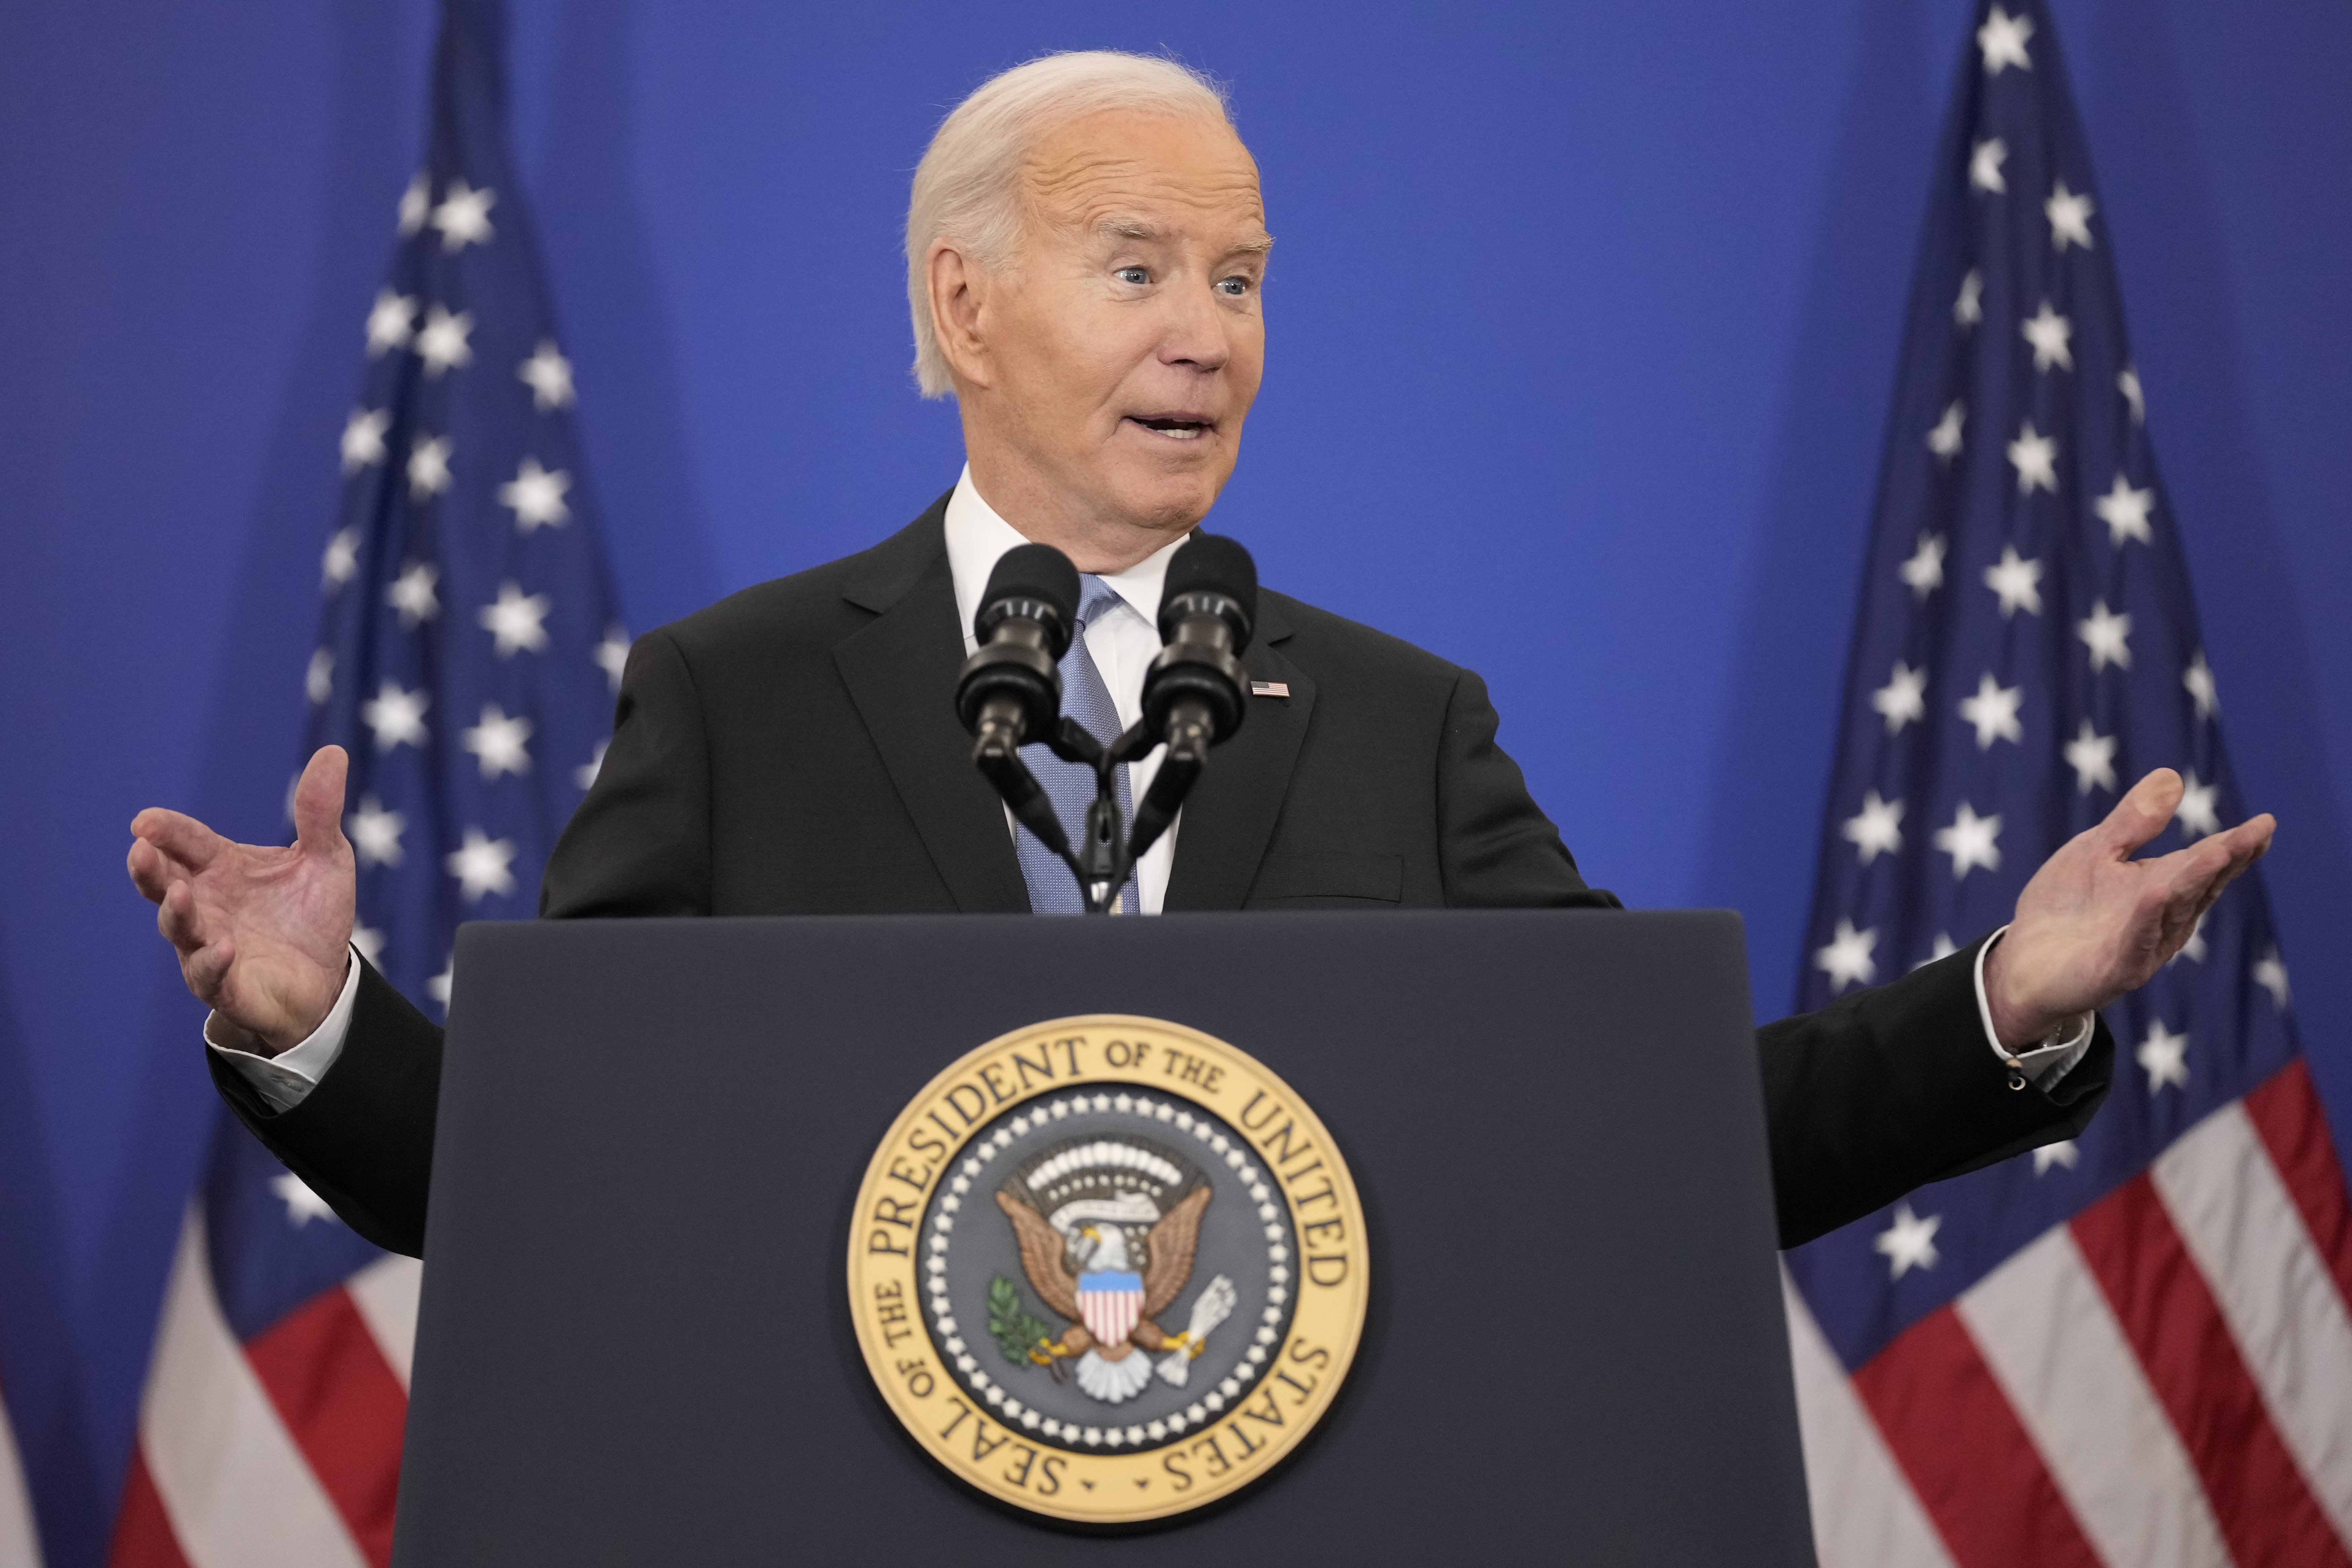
(1124, 342)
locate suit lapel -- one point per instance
(1229, 818)
(901, 671)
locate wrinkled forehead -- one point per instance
(1122, 170)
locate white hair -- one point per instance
(966, 188)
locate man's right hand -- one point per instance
(263, 933)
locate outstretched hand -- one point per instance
(2094, 923)
(263, 933)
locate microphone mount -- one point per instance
(1009, 695)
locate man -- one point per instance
(1086, 246)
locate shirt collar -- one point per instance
(977, 536)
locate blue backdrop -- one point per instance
(1583, 322)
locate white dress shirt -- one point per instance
(1121, 643)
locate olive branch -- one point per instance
(1017, 1333)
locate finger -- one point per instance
(319, 801)
(2191, 879)
(207, 968)
(2248, 842)
(2176, 923)
(2213, 862)
(151, 873)
(176, 917)
(2185, 904)
(2238, 865)
(2197, 876)
(2142, 813)
(180, 836)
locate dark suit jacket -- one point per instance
(794, 750)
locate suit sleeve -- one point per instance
(1888, 1088)
(639, 844)
(1497, 848)
(1878, 1093)
(363, 1139)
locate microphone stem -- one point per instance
(1189, 739)
(1102, 863)
(997, 753)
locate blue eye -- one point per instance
(1233, 286)
(1135, 275)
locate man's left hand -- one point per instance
(2094, 923)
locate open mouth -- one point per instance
(1174, 426)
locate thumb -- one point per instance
(2142, 814)
(319, 801)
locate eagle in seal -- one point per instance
(1082, 1264)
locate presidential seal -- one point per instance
(1108, 1269)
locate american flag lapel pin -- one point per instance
(1269, 688)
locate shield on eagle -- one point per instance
(1109, 1303)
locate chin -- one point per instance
(1152, 494)
(1172, 507)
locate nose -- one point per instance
(1195, 330)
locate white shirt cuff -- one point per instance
(2046, 1063)
(287, 1077)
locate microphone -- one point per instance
(1010, 691)
(1194, 693)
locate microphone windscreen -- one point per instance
(1031, 572)
(1212, 563)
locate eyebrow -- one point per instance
(1136, 229)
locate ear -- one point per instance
(959, 297)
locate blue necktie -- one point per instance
(1053, 890)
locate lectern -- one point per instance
(636, 1344)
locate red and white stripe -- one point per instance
(1110, 1315)
(20, 1543)
(1863, 1512)
(2165, 1382)
(281, 1453)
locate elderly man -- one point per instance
(1086, 247)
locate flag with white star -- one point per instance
(36, 1357)
(2133, 1348)
(467, 662)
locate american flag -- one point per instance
(468, 663)
(20, 1542)
(2133, 1349)
(43, 1473)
